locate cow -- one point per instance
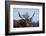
(23, 22)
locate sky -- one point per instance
(22, 11)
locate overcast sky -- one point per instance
(22, 11)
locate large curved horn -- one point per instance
(32, 16)
(20, 15)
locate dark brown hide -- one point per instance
(19, 23)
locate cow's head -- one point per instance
(26, 17)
